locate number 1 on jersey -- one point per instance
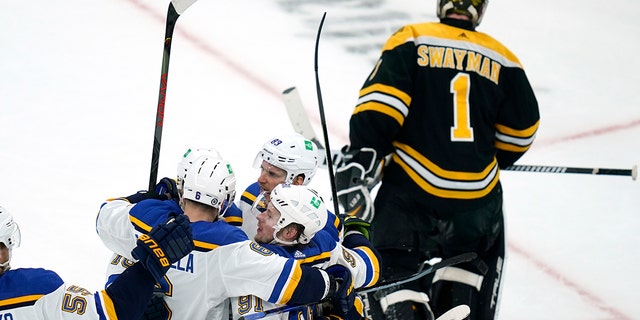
(461, 129)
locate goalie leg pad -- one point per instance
(398, 303)
(479, 289)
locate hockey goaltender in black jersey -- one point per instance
(451, 106)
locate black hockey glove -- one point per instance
(164, 245)
(156, 309)
(356, 178)
(341, 293)
(324, 311)
(167, 187)
(355, 224)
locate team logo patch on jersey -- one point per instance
(299, 255)
(260, 249)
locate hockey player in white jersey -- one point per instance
(285, 158)
(224, 263)
(36, 293)
(292, 226)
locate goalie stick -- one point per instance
(302, 125)
(176, 8)
(465, 257)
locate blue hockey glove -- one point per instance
(167, 187)
(355, 224)
(342, 296)
(164, 245)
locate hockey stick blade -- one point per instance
(298, 115)
(302, 125)
(182, 5)
(465, 257)
(456, 313)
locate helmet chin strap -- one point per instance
(279, 241)
(4, 267)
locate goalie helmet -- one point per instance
(211, 181)
(301, 205)
(474, 9)
(291, 153)
(187, 161)
(9, 235)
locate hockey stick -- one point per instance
(633, 172)
(298, 117)
(460, 312)
(465, 257)
(323, 121)
(300, 122)
(176, 8)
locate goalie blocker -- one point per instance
(360, 171)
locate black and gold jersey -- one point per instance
(452, 106)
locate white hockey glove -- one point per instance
(355, 180)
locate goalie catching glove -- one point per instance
(354, 180)
(164, 245)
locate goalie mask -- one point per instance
(301, 205)
(474, 9)
(9, 235)
(187, 161)
(291, 153)
(210, 181)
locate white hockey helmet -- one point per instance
(211, 181)
(291, 153)
(474, 9)
(187, 161)
(302, 205)
(9, 235)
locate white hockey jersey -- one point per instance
(34, 293)
(323, 251)
(224, 263)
